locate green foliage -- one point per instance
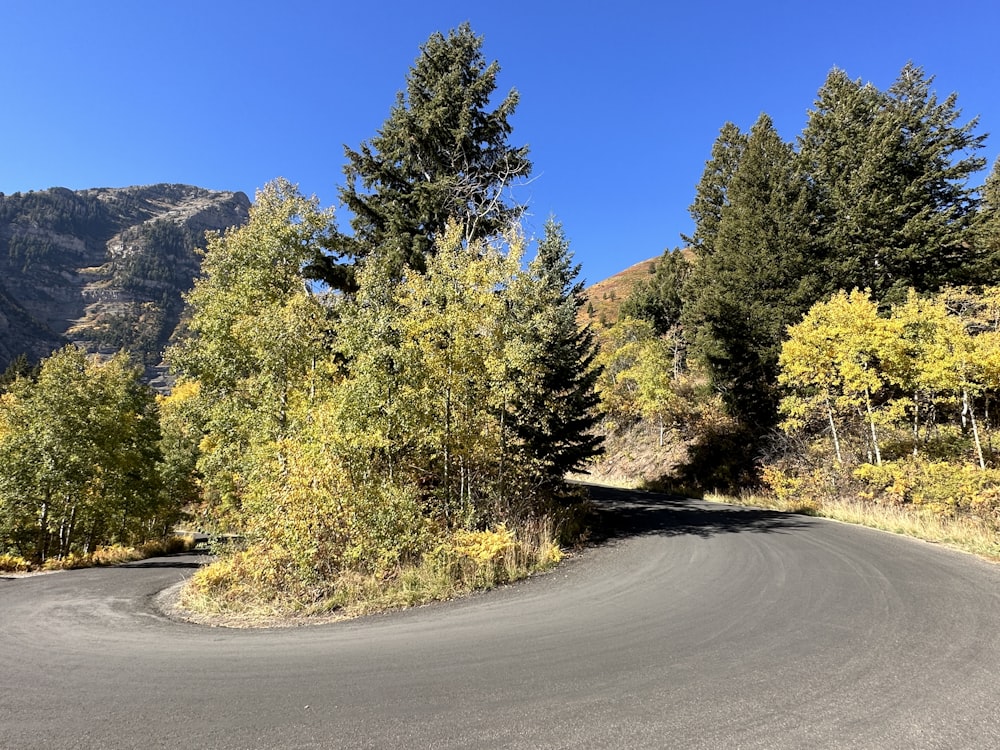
(660, 298)
(753, 274)
(876, 197)
(642, 378)
(712, 191)
(256, 332)
(80, 451)
(403, 434)
(622, 346)
(986, 233)
(553, 407)
(442, 155)
(181, 424)
(21, 367)
(889, 171)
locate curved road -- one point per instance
(689, 626)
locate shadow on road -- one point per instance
(181, 560)
(621, 514)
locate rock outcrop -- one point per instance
(104, 268)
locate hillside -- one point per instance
(104, 268)
(604, 298)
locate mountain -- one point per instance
(103, 268)
(603, 300)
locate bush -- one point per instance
(115, 554)
(938, 486)
(10, 563)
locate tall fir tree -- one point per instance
(889, 171)
(554, 410)
(659, 299)
(712, 191)
(753, 275)
(442, 155)
(987, 229)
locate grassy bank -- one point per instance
(251, 588)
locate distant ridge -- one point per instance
(104, 268)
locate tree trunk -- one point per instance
(833, 430)
(967, 408)
(871, 424)
(43, 533)
(66, 532)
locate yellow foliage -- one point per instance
(184, 390)
(483, 546)
(70, 562)
(803, 493)
(937, 486)
(114, 555)
(14, 563)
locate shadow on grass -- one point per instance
(621, 514)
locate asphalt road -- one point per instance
(690, 626)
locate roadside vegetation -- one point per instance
(826, 343)
(115, 554)
(386, 416)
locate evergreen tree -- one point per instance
(659, 299)
(752, 276)
(889, 171)
(441, 155)
(712, 192)
(987, 230)
(21, 367)
(554, 408)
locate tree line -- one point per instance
(354, 402)
(870, 217)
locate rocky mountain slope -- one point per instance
(104, 268)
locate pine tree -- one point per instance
(712, 192)
(752, 276)
(554, 409)
(987, 229)
(889, 172)
(441, 155)
(659, 299)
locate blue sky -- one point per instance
(620, 102)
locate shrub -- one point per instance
(11, 563)
(115, 554)
(938, 486)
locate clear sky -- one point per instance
(620, 101)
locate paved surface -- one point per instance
(690, 626)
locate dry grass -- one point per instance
(115, 554)
(606, 297)
(234, 592)
(966, 534)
